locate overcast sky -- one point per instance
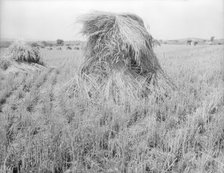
(167, 19)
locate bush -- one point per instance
(60, 42)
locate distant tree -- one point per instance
(212, 38)
(5, 44)
(60, 42)
(50, 44)
(44, 43)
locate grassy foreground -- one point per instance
(44, 129)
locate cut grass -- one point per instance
(74, 133)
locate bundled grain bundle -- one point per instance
(119, 59)
(22, 52)
(21, 57)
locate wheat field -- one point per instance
(44, 129)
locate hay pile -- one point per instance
(119, 59)
(21, 57)
(21, 52)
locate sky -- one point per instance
(56, 19)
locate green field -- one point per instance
(45, 129)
